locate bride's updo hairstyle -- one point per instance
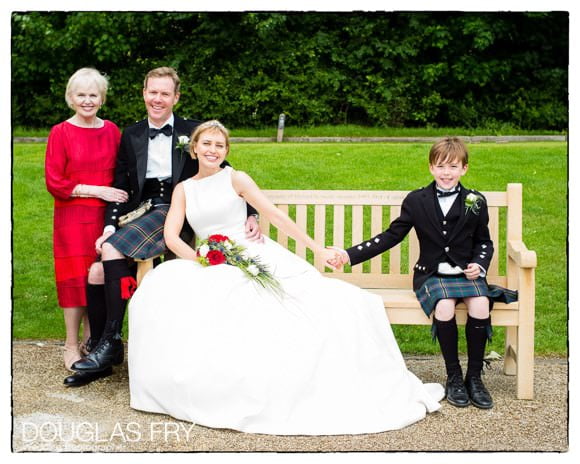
(215, 126)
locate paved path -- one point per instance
(48, 416)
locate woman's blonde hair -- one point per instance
(215, 126)
(86, 76)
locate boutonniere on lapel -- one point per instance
(473, 203)
(182, 143)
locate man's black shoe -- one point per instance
(78, 379)
(478, 394)
(455, 391)
(107, 353)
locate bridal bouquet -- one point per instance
(219, 249)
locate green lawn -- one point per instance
(540, 167)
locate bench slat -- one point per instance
(357, 231)
(338, 229)
(302, 222)
(395, 253)
(376, 228)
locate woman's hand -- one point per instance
(111, 194)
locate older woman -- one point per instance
(79, 166)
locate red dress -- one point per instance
(77, 155)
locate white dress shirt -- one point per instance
(159, 153)
(445, 268)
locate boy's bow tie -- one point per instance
(443, 193)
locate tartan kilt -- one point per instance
(438, 288)
(143, 237)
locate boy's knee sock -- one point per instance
(446, 332)
(476, 333)
(119, 286)
(96, 309)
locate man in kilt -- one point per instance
(153, 157)
(455, 251)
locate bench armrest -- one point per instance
(523, 257)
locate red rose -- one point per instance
(218, 238)
(215, 257)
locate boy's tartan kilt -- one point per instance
(439, 287)
(142, 238)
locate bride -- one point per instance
(211, 346)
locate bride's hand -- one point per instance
(331, 258)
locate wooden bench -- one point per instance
(344, 218)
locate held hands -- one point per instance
(253, 232)
(472, 271)
(337, 257)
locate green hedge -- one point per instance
(398, 69)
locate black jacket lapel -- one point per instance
(428, 205)
(178, 155)
(459, 226)
(141, 144)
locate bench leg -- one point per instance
(525, 365)
(510, 358)
(143, 267)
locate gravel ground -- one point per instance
(49, 417)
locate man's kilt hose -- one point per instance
(143, 237)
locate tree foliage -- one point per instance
(396, 69)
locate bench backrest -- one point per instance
(345, 218)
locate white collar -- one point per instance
(169, 121)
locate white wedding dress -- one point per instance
(210, 346)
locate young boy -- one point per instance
(455, 252)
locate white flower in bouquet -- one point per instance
(203, 250)
(253, 269)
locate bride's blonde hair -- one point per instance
(215, 126)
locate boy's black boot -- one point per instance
(476, 334)
(455, 391)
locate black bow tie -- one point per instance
(166, 129)
(442, 193)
